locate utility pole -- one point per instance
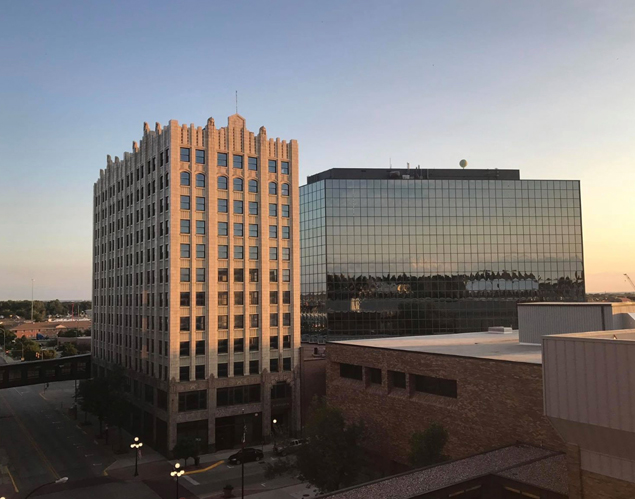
(32, 280)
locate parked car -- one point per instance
(246, 455)
(292, 448)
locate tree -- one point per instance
(69, 333)
(426, 447)
(48, 354)
(333, 444)
(185, 448)
(68, 350)
(25, 347)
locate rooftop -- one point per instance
(617, 335)
(28, 326)
(522, 463)
(476, 345)
(414, 173)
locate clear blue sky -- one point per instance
(547, 87)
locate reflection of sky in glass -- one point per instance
(444, 240)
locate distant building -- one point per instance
(394, 252)
(49, 329)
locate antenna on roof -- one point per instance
(390, 163)
(236, 101)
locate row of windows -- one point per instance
(236, 395)
(239, 274)
(222, 160)
(254, 344)
(397, 379)
(223, 230)
(239, 298)
(252, 185)
(254, 320)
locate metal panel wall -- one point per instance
(536, 321)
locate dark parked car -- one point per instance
(246, 455)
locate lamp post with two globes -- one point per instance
(136, 445)
(176, 474)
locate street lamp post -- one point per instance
(64, 479)
(136, 445)
(176, 474)
(273, 429)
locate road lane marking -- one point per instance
(15, 487)
(193, 472)
(191, 480)
(30, 438)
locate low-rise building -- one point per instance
(48, 329)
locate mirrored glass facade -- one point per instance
(400, 253)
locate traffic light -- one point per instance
(37, 355)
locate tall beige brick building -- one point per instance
(196, 282)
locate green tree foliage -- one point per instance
(69, 333)
(332, 458)
(101, 396)
(48, 354)
(185, 448)
(426, 447)
(41, 309)
(27, 347)
(68, 350)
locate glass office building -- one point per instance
(408, 252)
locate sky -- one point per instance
(545, 87)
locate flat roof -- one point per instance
(417, 482)
(617, 335)
(569, 304)
(494, 346)
(413, 173)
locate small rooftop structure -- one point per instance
(485, 345)
(413, 174)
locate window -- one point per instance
(253, 186)
(185, 178)
(253, 252)
(285, 210)
(273, 275)
(286, 341)
(223, 321)
(239, 323)
(254, 320)
(286, 297)
(200, 251)
(200, 180)
(253, 230)
(286, 275)
(238, 207)
(273, 343)
(239, 252)
(238, 184)
(273, 253)
(273, 297)
(397, 379)
(185, 299)
(222, 183)
(286, 319)
(238, 162)
(273, 231)
(254, 298)
(200, 227)
(273, 188)
(253, 275)
(253, 164)
(223, 229)
(222, 370)
(221, 159)
(184, 324)
(236, 395)
(223, 345)
(272, 166)
(239, 275)
(200, 275)
(185, 154)
(286, 254)
(273, 365)
(185, 250)
(273, 320)
(286, 232)
(185, 275)
(184, 348)
(223, 298)
(200, 323)
(350, 371)
(199, 372)
(223, 275)
(273, 210)
(200, 157)
(193, 401)
(239, 344)
(238, 230)
(254, 366)
(184, 373)
(284, 167)
(286, 364)
(185, 202)
(285, 190)
(200, 298)
(253, 208)
(374, 375)
(239, 298)
(435, 386)
(200, 203)
(254, 344)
